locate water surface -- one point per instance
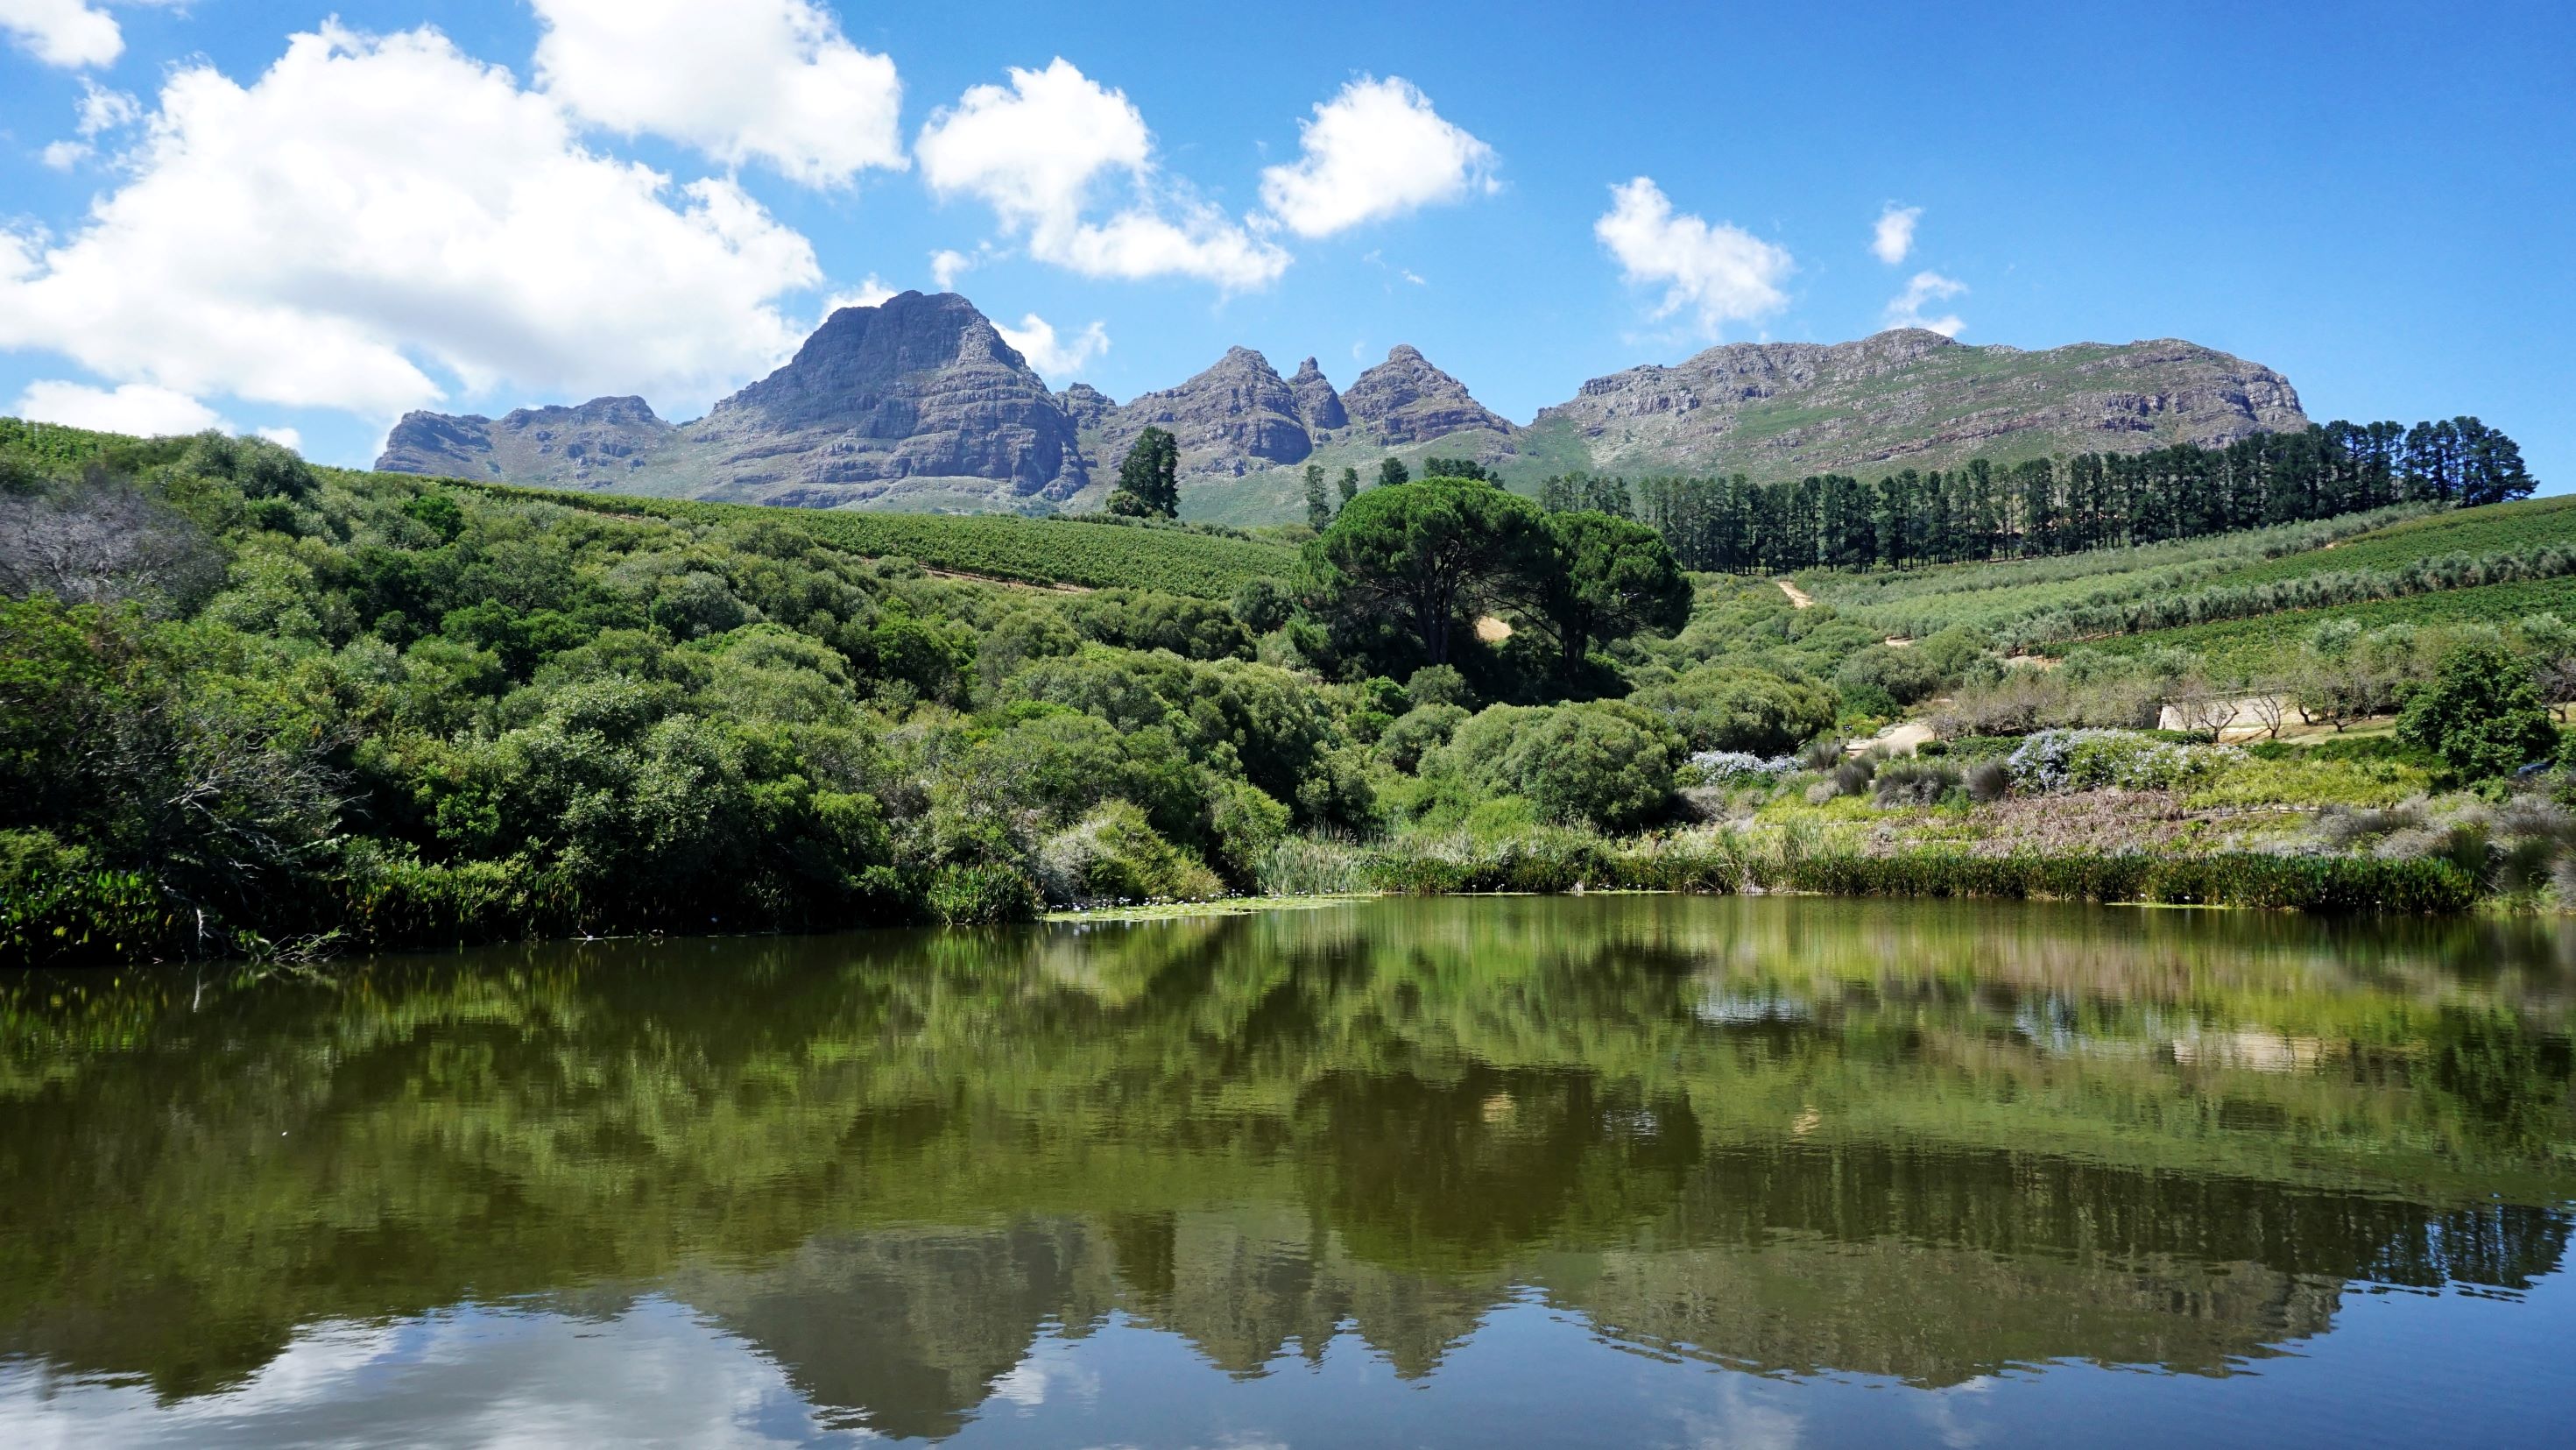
(1609, 1171)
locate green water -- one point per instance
(1607, 1171)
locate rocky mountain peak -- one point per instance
(1236, 416)
(1086, 406)
(1406, 400)
(1317, 404)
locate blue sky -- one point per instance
(2379, 200)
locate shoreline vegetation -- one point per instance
(254, 708)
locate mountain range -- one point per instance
(920, 403)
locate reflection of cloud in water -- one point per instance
(1049, 1366)
(653, 1376)
(1744, 1421)
(1940, 1410)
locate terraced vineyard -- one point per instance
(2505, 528)
(1088, 553)
(2256, 644)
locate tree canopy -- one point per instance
(1149, 479)
(1432, 556)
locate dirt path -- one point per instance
(1902, 738)
(1798, 598)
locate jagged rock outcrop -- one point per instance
(1235, 417)
(1911, 398)
(1318, 406)
(595, 445)
(1086, 406)
(1405, 400)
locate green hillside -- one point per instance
(1086, 553)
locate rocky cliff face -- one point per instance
(597, 445)
(1911, 398)
(916, 387)
(915, 400)
(1405, 400)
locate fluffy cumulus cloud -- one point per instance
(1715, 272)
(1927, 289)
(1041, 149)
(1374, 151)
(137, 408)
(373, 208)
(69, 33)
(1054, 356)
(1892, 239)
(747, 80)
(102, 113)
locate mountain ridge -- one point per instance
(919, 402)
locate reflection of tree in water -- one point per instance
(1948, 1140)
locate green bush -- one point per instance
(982, 896)
(1113, 855)
(2480, 713)
(1736, 707)
(1606, 764)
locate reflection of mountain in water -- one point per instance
(894, 1163)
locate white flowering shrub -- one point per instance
(1731, 767)
(2065, 760)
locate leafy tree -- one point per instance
(1466, 468)
(1319, 507)
(1149, 478)
(2480, 713)
(1391, 472)
(1612, 577)
(1431, 556)
(1350, 484)
(1261, 606)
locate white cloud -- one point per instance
(947, 265)
(1374, 151)
(1893, 238)
(767, 80)
(1721, 273)
(1906, 310)
(68, 33)
(1054, 357)
(137, 408)
(101, 111)
(285, 438)
(373, 207)
(868, 293)
(1037, 149)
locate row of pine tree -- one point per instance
(2044, 506)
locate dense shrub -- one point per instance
(1114, 856)
(1604, 764)
(982, 896)
(1914, 783)
(2480, 713)
(2071, 760)
(1726, 707)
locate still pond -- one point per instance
(1614, 1171)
